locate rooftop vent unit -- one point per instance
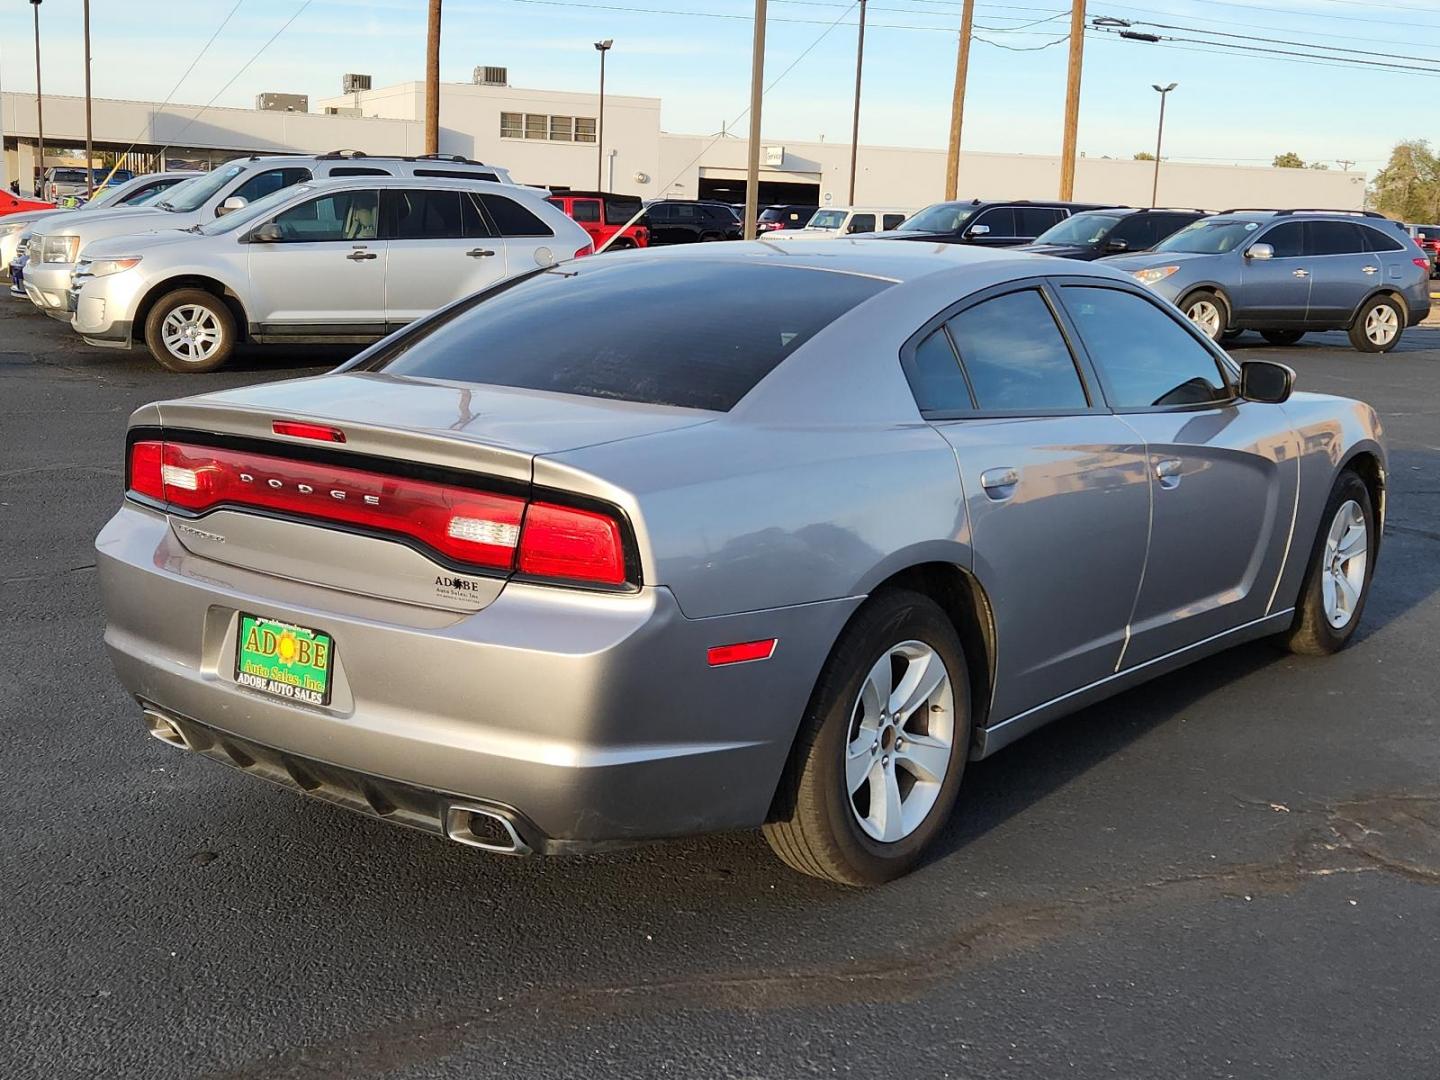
(353, 84)
(492, 76)
(342, 110)
(283, 102)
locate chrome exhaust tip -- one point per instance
(483, 828)
(165, 729)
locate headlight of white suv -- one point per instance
(59, 249)
(1154, 274)
(106, 267)
(10, 228)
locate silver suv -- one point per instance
(54, 250)
(322, 261)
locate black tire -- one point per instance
(1360, 338)
(1313, 633)
(1229, 336)
(1282, 337)
(813, 826)
(216, 317)
(1193, 301)
(621, 245)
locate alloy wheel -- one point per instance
(1342, 581)
(191, 333)
(1382, 324)
(1206, 315)
(902, 731)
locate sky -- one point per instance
(1229, 106)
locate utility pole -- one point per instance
(757, 91)
(432, 81)
(1164, 92)
(855, 124)
(1072, 99)
(39, 105)
(957, 101)
(602, 47)
(89, 159)
(1345, 163)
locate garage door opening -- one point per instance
(771, 191)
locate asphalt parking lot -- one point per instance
(1231, 872)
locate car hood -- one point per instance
(138, 243)
(25, 217)
(1063, 251)
(94, 224)
(1146, 259)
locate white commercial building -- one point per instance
(553, 138)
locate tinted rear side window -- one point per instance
(619, 211)
(1375, 240)
(512, 219)
(563, 331)
(1332, 238)
(1016, 357)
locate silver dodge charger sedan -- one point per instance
(721, 537)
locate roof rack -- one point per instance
(455, 159)
(1300, 210)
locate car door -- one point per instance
(325, 275)
(1274, 291)
(439, 248)
(1055, 489)
(1342, 271)
(1135, 232)
(1223, 471)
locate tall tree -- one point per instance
(1288, 160)
(1144, 155)
(1408, 187)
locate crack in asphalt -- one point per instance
(1395, 834)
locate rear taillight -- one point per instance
(462, 525)
(588, 249)
(1424, 264)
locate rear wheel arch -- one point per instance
(190, 281)
(1388, 293)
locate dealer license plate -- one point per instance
(284, 660)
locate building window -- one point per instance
(536, 125)
(584, 129)
(562, 129)
(512, 125)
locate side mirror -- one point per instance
(230, 205)
(1266, 381)
(1115, 247)
(1260, 251)
(269, 233)
(978, 230)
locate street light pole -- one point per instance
(757, 92)
(855, 123)
(602, 47)
(89, 158)
(1159, 137)
(39, 106)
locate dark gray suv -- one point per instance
(1286, 272)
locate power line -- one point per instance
(1384, 64)
(1278, 41)
(1218, 49)
(1260, 26)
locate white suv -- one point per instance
(323, 261)
(55, 248)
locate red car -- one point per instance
(1428, 237)
(14, 204)
(602, 215)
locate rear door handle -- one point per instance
(1168, 472)
(1369, 269)
(359, 256)
(999, 484)
(1301, 273)
(479, 253)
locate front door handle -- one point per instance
(479, 253)
(1370, 269)
(360, 256)
(1168, 473)
(1301, 273)
(999, 484)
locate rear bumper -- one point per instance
(591, 719)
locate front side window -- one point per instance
(269, 182)
(1000, 221)
(341, 215)
(1144, 356)
(1288, 240)
(1016, 357)
(653, 332)
(859, 223)
(1137, 232)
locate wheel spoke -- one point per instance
(1352, 544)
(885, 810)
(1327, 593)
(875, 695)
(1349, 592)
(925, 758)
(857, 767)
(917, 686)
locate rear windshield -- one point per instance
(633, 331)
